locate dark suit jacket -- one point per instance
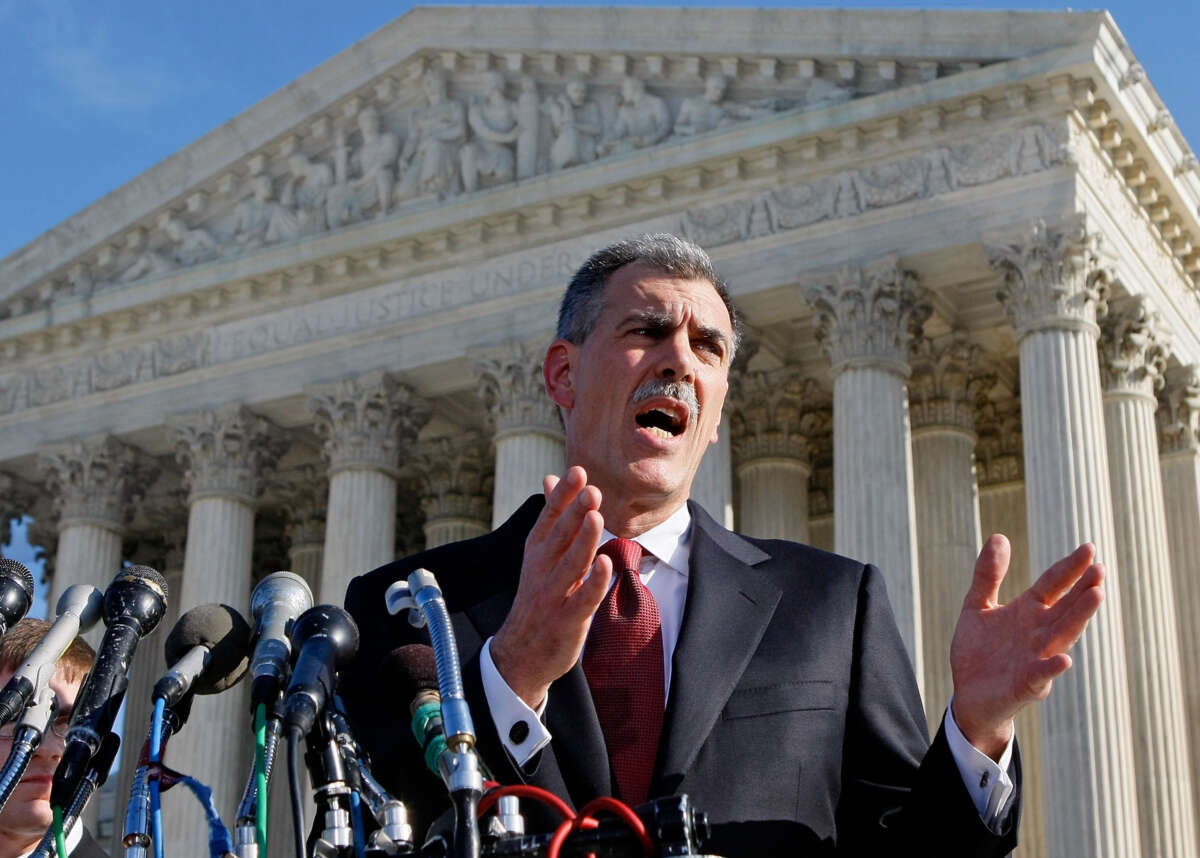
(793, 719)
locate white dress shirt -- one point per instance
(664, 572)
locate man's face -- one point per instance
(654, 328)
(27, 814)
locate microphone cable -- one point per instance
(260, 776)
(294, 734)
(156, 742)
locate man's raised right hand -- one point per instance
(543, 634)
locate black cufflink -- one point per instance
(518, 732)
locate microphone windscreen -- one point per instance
(148, 574)
(411, 669)
(15, 569)
(226, 634)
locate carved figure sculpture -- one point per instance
(709, 111)
(376, 159)
(429, 162)
(529, 120)
(192, 245)
(252, 216)
(493, 119)
(576, 123)
(642, 120)
(304, 195)
(149, 263)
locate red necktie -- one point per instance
(623, 663)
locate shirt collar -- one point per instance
(669, 541)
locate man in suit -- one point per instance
(778, 694)
(27, 815)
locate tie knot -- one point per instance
(625, 553)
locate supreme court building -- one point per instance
(963, 244)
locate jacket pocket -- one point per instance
(805, 694)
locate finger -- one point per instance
(560, 492)
(1044, 671)
(594, 588)
(1069, 623)
(580, 552)
(990, 569)
(1060, 577)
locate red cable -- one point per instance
(586, 820)
(526, 791)
(625, 812)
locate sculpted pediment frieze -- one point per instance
(445, 124)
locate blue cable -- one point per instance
(360, 844)
(156, 820)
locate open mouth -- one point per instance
(664, 419)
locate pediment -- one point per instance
(441, 105)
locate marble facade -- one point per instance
(963, 242)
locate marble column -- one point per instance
(1179, 449)
(771, 414)
(454, 479)
(305, 530)
(367, 423)
(948, 379)
(1133, 353)
(224, 454)
(1052, 287)
(1001, 478)
(93, 482)
(528, 432)
(712, 487)
(866, 319)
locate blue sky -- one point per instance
(97, 91)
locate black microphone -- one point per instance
(16, 593)
(326, 638)
(412, 671)
(133, 604)
(208, 650)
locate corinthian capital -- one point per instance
(774, 413)
(366, 421)
(454, 476)
(1133, 348)
(949, 379)
(225, 452)
(998, 450)
(514, 391)
(16, 501)
(868, 316)
(95, 480)
(1179, 411)
(1051, 277)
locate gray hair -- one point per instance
(584, 299)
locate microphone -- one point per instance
(326, 638)
(78, 610)
(133, 604)
(207, 650)
(412, 671)
(275, 604)
(16, 593)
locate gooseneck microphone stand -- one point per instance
(458, 764)
(31, 729)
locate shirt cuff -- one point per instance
(987, 782)
(520, 728)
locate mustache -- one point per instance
(684, 391)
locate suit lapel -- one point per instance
(729, 605)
